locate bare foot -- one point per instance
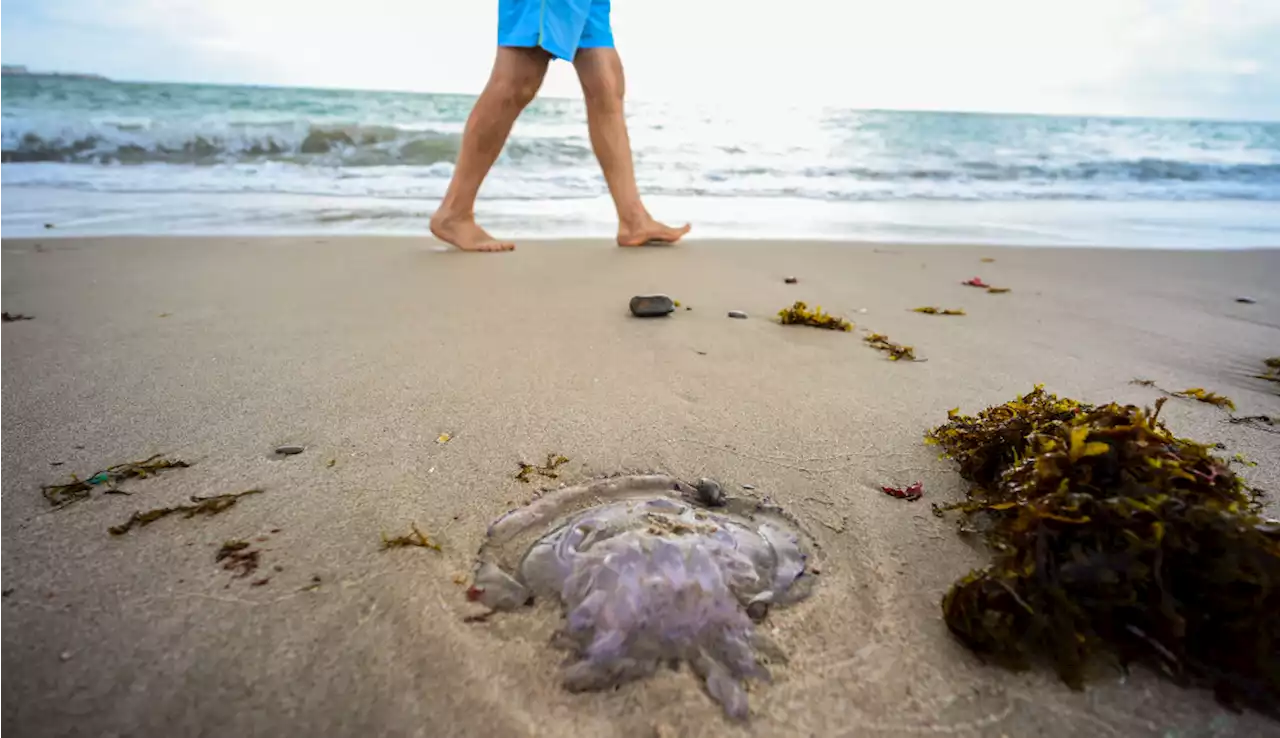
(461, 231)
(649, 231)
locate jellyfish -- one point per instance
(650, 571)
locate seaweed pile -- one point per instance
(60, 495)
(930, 310)
(1113, 539)
(800, 314)
(896, 351)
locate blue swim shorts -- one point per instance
(559, 26)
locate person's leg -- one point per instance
(603, 85)
(517, 75)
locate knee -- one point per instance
(603, 92)
(518, 90)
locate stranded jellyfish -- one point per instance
(650, 571)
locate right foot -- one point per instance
(462, 233)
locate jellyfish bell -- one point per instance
(647, 573)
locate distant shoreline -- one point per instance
(17, 70)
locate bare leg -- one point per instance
(517, 75)
(603, 86)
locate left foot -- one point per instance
(649, 230)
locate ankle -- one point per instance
(445, 213)
(633, 219)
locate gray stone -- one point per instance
(1246, 300)
(289, 449)
(737, 314)
(651, 306)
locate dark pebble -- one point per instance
(289, 450)
(790, 280)
(737, 314)
(709, 492)
(651, 306)
(1246, 300)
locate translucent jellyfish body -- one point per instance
(650, 571)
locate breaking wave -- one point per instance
(125, 142)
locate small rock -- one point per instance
(758, 611)
(709, 492)
(651, 306)
(748, 486)
(737, 314)
(48, 226)
(1246, 300)
(289, 450)
(65, 656)
(791, 280)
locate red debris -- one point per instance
(474, 593)
(976, 282)
(910, 494)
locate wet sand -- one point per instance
(364, 350)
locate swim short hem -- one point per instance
(517, 41)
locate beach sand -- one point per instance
(366, 349)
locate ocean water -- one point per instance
(109, 158)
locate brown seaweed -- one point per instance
(415, 538)
(929, 310)
(548, 470)
(896, 351)
(1201, 395)
(1272, 372)
(201, 506)
(1195, 393)
(60, 495)
(1113, 538)
(237, 556)
(800, 314)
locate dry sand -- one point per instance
(365, 349)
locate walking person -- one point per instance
(530, 34)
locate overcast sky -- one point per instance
(1199, 58)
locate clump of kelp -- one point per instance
(931, 310)
(207, 506)
(1113, 539)
(60, 495)
(800, 314)
(896, 351)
